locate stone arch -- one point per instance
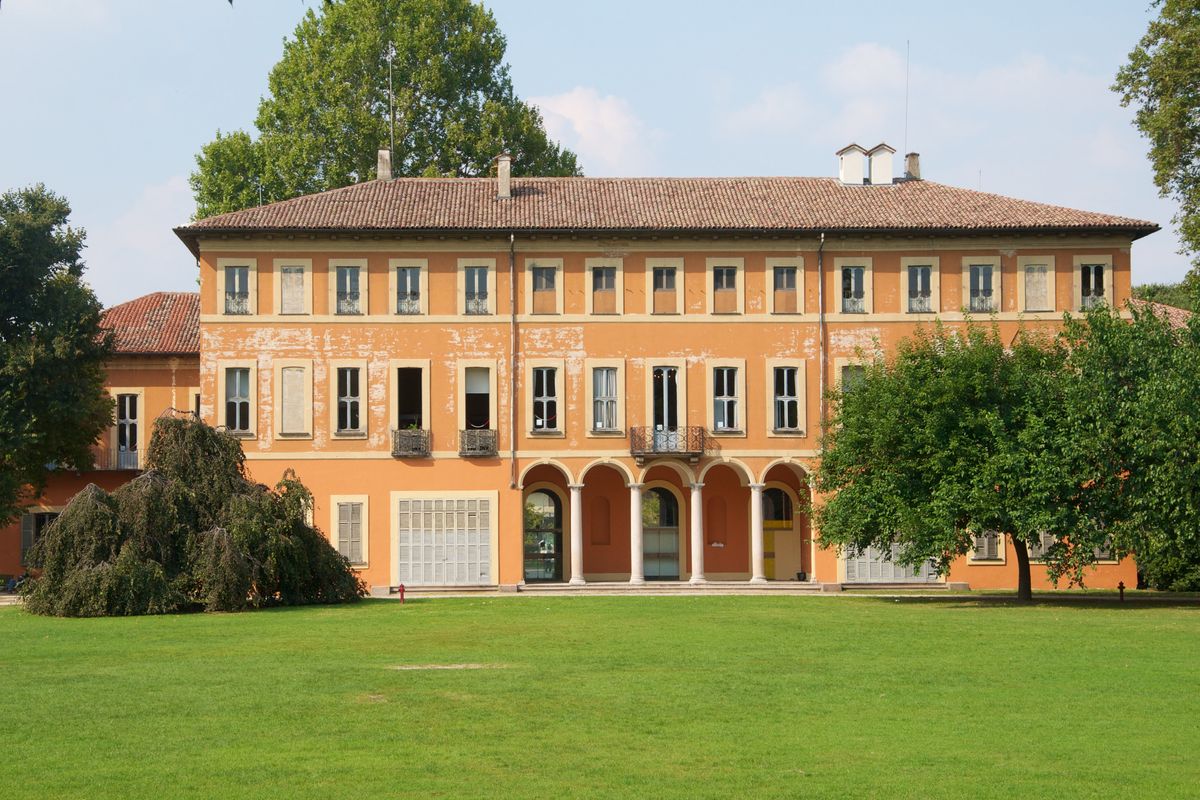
(609, 462)
(685, 473)
(744, 473)
(566, 473)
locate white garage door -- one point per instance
(444, 541)
(870, 566)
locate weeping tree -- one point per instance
(192, 532)
(958, 436)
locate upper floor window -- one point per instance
(349, 297)
(1036, 279)
(783, 280)
(545, 293)
(724, 290)
(237, 399)
(1091, 285)
(477, 398)
(294, 402)
(920, 288)
(127, 431)
(787, 399)
(408, 290)
(237, 290)
(476, 283)
(854, 290)
(665, 300)
(604, 290)
(852, 376)
(982, 287)
(604, 399)
(349, 400)
(545, 399)
(292, 290)
(725, 399)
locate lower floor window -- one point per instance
(987, 546)
(32, 527)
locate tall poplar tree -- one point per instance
(428, 75)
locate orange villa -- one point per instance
(508, 381)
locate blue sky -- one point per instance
(108, 101)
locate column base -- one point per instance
(758, 579)
(637, 581)
(577, 582)
(697, 579)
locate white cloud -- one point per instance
(62, 15)
(779, 109)
(604, 131)
(136, 252)
(866, 68)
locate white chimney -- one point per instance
(850, 164)
(504, 177)
(880, 157)
(383, 167)
(912, 167)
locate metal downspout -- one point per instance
(514, 358)
(821, 324)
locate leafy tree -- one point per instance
(190, 532)
(1136, 384)
(1162, 81)
(1179, 294)
(328, 110)
(52, 350)
(958, 435)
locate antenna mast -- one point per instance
(907, 56)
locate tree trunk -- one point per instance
(1024, 584)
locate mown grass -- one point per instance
(608, 697)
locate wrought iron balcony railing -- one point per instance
(477, 303)
(348, 303)
(408, 303)
(920, 305)
(982, 303)
(686, 442)
(237, 302)
(1091, 301)
(109, 458)
(410, 443)
(477, 443)
(854, 305)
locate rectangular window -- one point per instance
(237, 290)
(920, 289)
(127, 431)
(981, 278)
(545, 399)
(349, 416)
(292, 401)
(852, 376)
(604, 398)
(987, 546)
(478, 398)
(1038, 548)
(349, 299)
(1037, 288)
(663, 281)
(545, 297)
(350, 531)
(604, 290)
(854, 290)
(291, 290)
(725, 410)
(476, 281)
(787, 400)
(237, 399)
(724, 290)
(409, 398)
(1091, 286)
(408, 290)
(784, 286)
(32, 527)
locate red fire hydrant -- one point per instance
(398, 590)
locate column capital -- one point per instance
(575, 486)
(696, 486)
(635, 485)
(757, 487)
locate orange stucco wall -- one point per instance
(692, 339)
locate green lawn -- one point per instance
(604, 697)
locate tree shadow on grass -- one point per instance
(1140, 601)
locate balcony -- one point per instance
(1088, 301)
(477, 443)
(920, 304)
(854, 305)
(982, 304)
(477, 303)
(408, 303)
(410, 443)
(349, 303)
(237, 302)
(108, 458)
(647, 443)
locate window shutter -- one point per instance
(28, 533)
(293, 400)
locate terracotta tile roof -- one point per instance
(162, 323)
(1178, 317)
(779, 204)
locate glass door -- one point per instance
(660, 536)
(543, 538)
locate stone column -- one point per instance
(758, 572)
(636, 571)
(577, 535)
(697, 508)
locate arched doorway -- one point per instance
(777, 517)
(660, 535)
(543, 537)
